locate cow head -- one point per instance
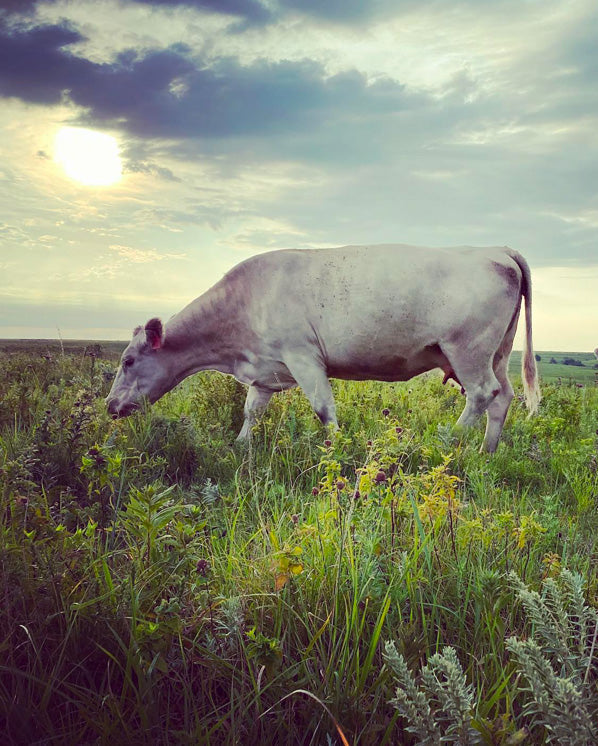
(144, 373)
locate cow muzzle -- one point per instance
(120, 410)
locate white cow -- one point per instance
(390, 312)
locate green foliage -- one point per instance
(159, 584)
(560, 661)
(441, 710)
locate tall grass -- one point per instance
(160, 585)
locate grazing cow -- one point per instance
(299, 317)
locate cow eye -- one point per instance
(127, 362)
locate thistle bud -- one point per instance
(203, 567)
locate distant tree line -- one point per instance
(567, 361)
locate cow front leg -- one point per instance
(255, 403)
(312, 379)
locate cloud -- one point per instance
(146, 167)
(141, 256)
(35, 67)
(344, 11)
(252, 11)
(164, 94)
(19, 7)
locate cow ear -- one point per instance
(153, 333)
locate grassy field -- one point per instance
(387, 584)
(554, 371)
(55, 347)
(586, 374)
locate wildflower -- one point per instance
(380, 476)
(327, 443)
(203, 567)
(340, 484)
(386, 412)
(96, 455)
(398, 430)
(315, 491)
(295, 518)
(356, 495)
(369, 443)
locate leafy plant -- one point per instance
(560, 661)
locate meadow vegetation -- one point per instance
(386, 584)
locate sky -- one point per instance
(218, 129)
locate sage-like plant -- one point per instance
(439, 704)
(560, 661)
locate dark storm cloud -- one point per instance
(251, 10)
(21, 7)
(255, 12)
(34, 65)
(166, 94)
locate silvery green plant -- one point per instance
(559, 662)
(438, 704)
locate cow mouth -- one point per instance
(125, 410)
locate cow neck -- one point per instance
(206, 334)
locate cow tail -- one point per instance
(529, 372)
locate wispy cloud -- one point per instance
(142, 256)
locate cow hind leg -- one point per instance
(480, 391)
(255, 403)
(313, 381)
(474, 370)
(499, 406)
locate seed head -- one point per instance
(380, 476)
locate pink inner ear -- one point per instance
(155, 340)
(153, 333)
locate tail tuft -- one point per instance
(529, 372)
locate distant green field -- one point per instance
(111, 350)
(105, 349)
(551, 372)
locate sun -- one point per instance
(89, 157)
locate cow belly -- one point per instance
(384, 367)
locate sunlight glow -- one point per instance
(89, 157)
